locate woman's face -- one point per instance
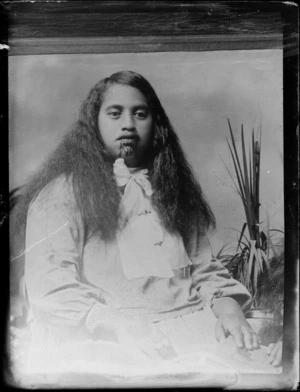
(125, 124)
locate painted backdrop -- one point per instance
(199, 91)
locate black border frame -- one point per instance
(289, 15)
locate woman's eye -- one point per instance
(114, 114)
(141, 114)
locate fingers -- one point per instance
(247, 335)
(256, 340)
(237, 336)
(233, 328)
(241, 332)
(219, 332)
(250, 338)
(270, 348)
(278, 358)
(275, 354)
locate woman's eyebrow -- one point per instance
(135, 107)
(142, 106)
(114, 106)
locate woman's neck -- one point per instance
(134, 169)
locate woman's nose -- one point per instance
(128, 121)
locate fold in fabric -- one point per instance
(146, 248)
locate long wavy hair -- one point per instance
(82, 157)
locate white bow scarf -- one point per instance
(146, 248)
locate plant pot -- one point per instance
(265, 325)
(260, 314)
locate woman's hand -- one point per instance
(275, 354)
(237, 326)
(146, 337)
(231, 321)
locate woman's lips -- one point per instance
(128, 140)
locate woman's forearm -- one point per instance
(226, 305)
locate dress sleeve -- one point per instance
(211, 278)
(58, 297)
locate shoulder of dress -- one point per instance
(59, 190)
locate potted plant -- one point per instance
(255, 261)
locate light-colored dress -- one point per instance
(79, 287)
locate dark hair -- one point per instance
(82, 157)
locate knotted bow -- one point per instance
(146, 248)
